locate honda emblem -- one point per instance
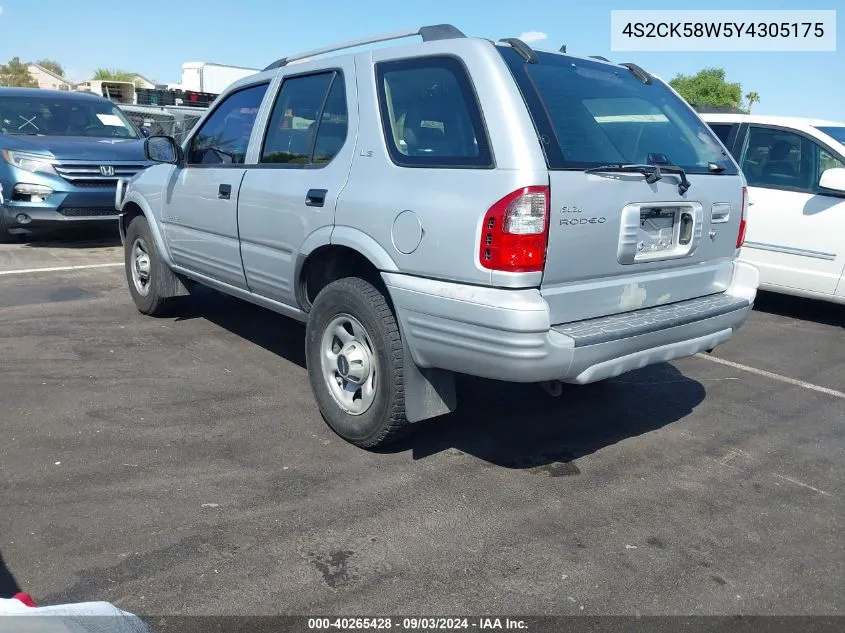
(107, 170)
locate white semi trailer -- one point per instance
(211, 78)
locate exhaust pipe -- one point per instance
(552, 387)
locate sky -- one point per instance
(154, 38)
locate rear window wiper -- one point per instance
(651, 172)
(684, 184)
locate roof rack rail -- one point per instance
(638, 72)
(428, 33)
(525, 51)
(600, 58)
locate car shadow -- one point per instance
(520, 426)
(789, 306)
(8, 585)
(93, 237)
(517, 426)
(274, 332)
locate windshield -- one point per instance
(836, 132)
(595, 114)
(63, 116)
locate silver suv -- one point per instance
(452, 206)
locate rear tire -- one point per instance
(151, 282)
(354, 355)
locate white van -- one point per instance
(795, 169)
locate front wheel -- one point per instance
(354, 355)
(151, 282)
(5, 236)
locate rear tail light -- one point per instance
(740, 238)
(515, 232)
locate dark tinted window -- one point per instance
(430, 114)
(63, 116)
(722, 130)
(331, 134)
(307, 125)
(828, 161)
(223, 138)
(780, 159)
(594, 114)
(837, 132)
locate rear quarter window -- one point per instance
(722, 130)
(430, 114)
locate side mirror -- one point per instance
(833, 180)
(163, 149)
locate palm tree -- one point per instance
(752, 98)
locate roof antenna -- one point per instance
(563, 48)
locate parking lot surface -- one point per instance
(180, 466)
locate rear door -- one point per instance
(303, 165)
(617, 242)
(795, 229)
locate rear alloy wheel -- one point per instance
(355, 361)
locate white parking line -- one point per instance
(710, 357)
(773, 376)
(802, 484)
(27, 271)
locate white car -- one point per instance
(795, 168)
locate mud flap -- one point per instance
(428, 392)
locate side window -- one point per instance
(430, 114)
(722, 130)
(828, 161)
(309, 122)
(779, 158)
(331, 134)
(223, 138)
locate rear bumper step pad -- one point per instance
(628, 324)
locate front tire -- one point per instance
(5, 236)
(151, 282)
(354, 355)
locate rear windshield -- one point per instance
(591, 114)
(47, 115)
(836, 132)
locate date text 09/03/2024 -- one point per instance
(415, 624)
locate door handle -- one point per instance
(315, 197)
(224, 192)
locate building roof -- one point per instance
(51, 73)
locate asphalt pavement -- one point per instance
(180, 466)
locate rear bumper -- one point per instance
(506, 334)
